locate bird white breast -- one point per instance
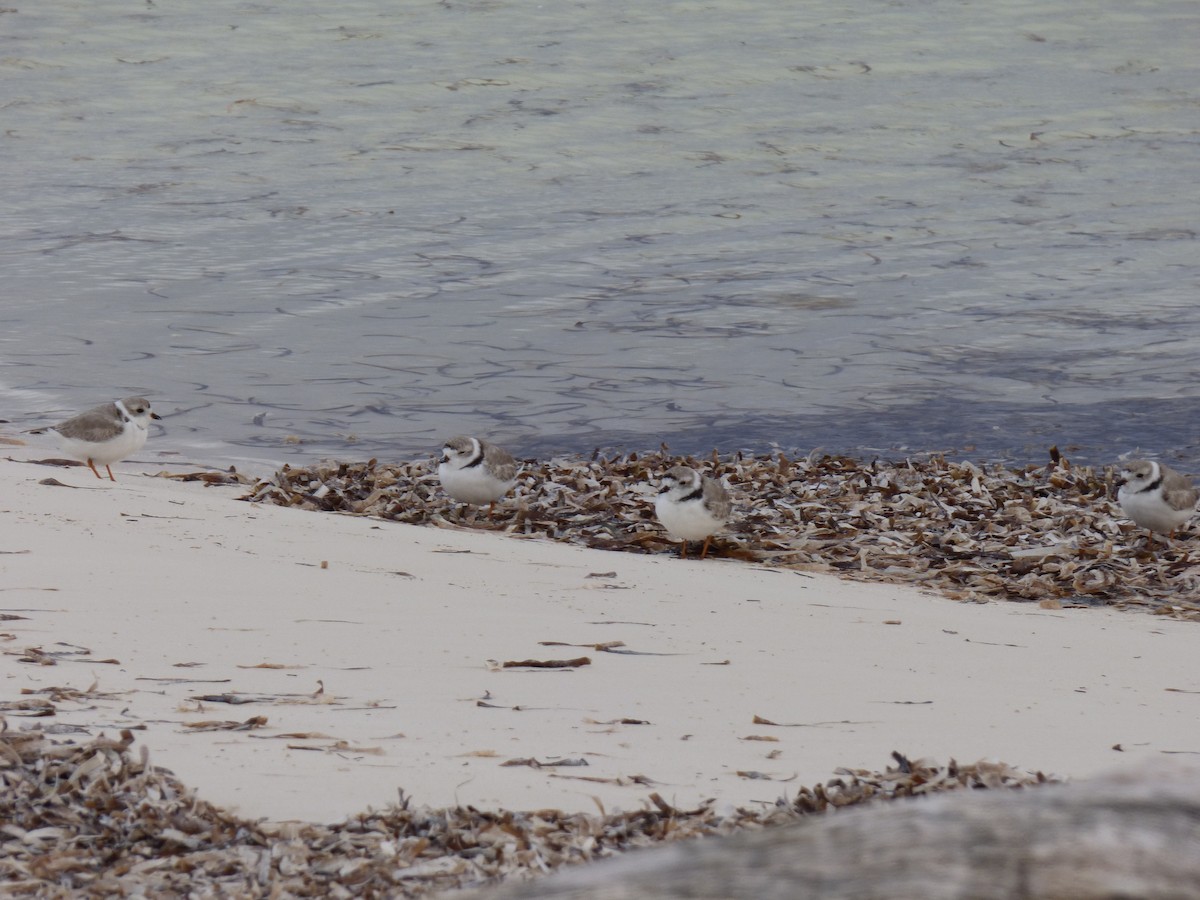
(474, 485)
(688, 521)
(128, 442)
(1149, 510)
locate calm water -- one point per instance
(349, 229)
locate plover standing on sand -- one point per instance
(105, 434)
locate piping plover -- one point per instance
(692, 507)
(105, 434)
(474, 471)
(1156, 497)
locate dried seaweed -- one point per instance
(94, 819)
(546, 663)
(1047, 533)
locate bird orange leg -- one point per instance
(704, 549)
(683, 549)
(110, 474)
(92, 466)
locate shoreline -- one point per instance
(383, 671)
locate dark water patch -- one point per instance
(1094, 434)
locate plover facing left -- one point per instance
(1156, 497)
(473, 471)
(105, 434)
(692, 507)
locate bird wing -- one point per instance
(1178, 490)
(1181, 499)
(500, 462)
(716, 498)
(97, 424)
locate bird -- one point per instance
(475, 471)
(1156, 497)
(692, 507)
(106, 433)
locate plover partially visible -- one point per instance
(692, 507)
(1156, 497)
(473, 471)
(105, 434)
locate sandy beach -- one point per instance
(366, 658)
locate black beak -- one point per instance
(444, 458)
(155, 415)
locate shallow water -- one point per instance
(309, 230)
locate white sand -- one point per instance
(401, 625)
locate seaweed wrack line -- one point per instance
(1049, 534)
(93, 817)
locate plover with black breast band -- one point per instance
(476, 472)
(1156, 497)
(692, 507)
(105, 434)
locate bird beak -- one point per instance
(444, 458)
(155, 415)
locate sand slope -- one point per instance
(189, 590)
